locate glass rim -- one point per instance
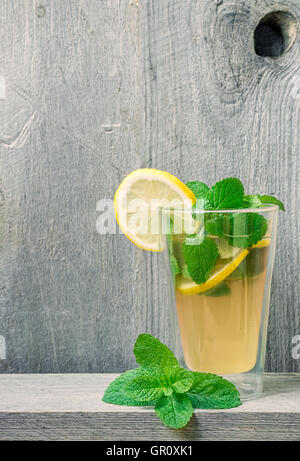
(232, 210)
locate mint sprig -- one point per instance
(229, 194)
(172, 390)
(241, 230)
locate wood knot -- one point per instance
(275, 34)
(40, 11)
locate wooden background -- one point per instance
(95, 89)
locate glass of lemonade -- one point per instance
(219, 274)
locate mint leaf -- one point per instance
(210, 391)
(238, 229)
(257, 201)
(201, 192)
(115, 393)
(174, 410)
(179, 379)
(246, 229)
(199, 189)
(226, 194)
(252, 201)
(269, 199)
(200, 259)
(220, 290)
(151, 353)
(145, 388)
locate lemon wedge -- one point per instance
(221, 272)
(137, 200)
(262, 243)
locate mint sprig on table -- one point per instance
(173, 391)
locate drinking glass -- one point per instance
(220, 325)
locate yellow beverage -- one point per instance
(220, 329)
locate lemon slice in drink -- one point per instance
(220, 273)
(262, 243)
(138, 199)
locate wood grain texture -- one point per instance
(69, 407)
(94, 90)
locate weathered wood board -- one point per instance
(94, 90)
(69, 407)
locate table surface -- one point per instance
(69, 407)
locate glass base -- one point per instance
(249, 385)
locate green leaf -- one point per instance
(226, 194)
(216, 223)
(174, 410)
(200, 259)
(151, 353)
(269, 199)
(179, 379)
(199, 189)
(115, 393)
(210, 391)
(238, 229)
(201, 192)
(257, 201)
(252, 201)
(246, 229)
(146, 388)
(220, 290)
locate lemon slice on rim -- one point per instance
(220, 273)
(137, 200)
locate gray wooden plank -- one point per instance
(69, 407)
(82, 392)
(95, 90)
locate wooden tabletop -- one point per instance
(69, 407)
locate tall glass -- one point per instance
(220, 320)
